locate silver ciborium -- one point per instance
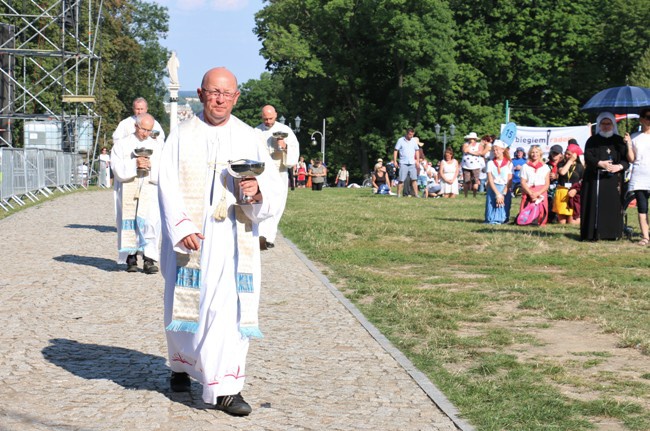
(143, 152)
(279, 135)
(240, 169)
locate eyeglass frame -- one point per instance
(143, 129)
(215, 94)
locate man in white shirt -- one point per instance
(406, 157)
(284, 151)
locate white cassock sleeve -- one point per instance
(293, 150)
(122, 163)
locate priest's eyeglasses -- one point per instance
(216, 94)
(143, 129)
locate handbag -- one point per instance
(531, 215)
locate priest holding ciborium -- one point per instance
(284, 150)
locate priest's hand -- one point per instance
(143, 163)
(249, 187)
(191, 242)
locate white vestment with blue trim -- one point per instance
(215, 352)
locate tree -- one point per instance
(373, 68)
(257, 93)
(640, 75)
(133, 61)
(538, 56)
(369, 67)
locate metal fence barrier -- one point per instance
(26, 173)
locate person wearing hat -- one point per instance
(566, 202)
(471, 163)
(638, 153)
(408, 151)
(554, 158)
(518, 162)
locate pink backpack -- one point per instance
(532, 214)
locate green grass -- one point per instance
(463, 301)
(41, 198)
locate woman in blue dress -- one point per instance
(499, 172)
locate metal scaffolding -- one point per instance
(49, 63)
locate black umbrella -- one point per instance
(618, 100)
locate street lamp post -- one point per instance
(322, 140)
(452, 131)
(296, 121)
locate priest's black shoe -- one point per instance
(263, 243)
(234, 405)
(150, 267)
(180, 382)
(132, 263)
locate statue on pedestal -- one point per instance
(172, 68)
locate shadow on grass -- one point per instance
(573, 236)
(464, 220)
(520, 230)
(95, 262)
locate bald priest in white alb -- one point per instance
(125, 127)
(210, 251)
(136, 196)
(285, 152)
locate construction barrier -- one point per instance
(26, 173)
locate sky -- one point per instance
(209, 33)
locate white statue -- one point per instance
(172, 68)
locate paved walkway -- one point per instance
(82, 345)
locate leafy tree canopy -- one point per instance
(133, 61)
(373, 68)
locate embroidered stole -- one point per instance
(192, 183)
(137, 196)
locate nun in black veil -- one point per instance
(605, 163)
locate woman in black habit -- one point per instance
(605, 163)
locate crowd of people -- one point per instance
(588, 188)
